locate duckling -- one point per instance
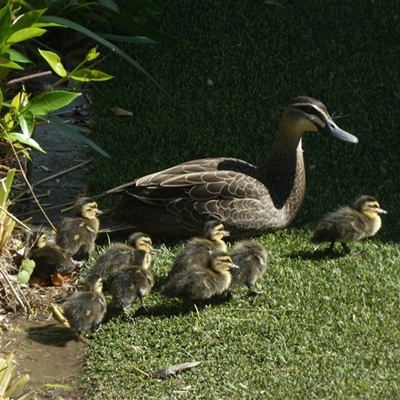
(131, 282)
(251, 200)
(85, 310)
(251, 259)
(76, 235)
(213, 234)
(200, 247)
(349, 224)
(49, 260)
(201, 281)
(121, 254)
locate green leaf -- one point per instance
(5, 24)
(45, 25)
(6, 186)
(47, 102)
(1, 99)
(94, 17)
(89, 75)
(92, 54)
(129, 22)
(128, 39)
(105, 43)
(135, 6)
(54, 61)
(20, 137)
(77, 134)
(17, 56)
(25, 34)
(27, 123)
(5, 62)
(3, 72)
(109, 4)
(26, 20)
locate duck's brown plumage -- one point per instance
(130, 282)
(250, 200)
(204, 278)
(49, 259)
(76, 235)
(85, 310)
(121, 254)
(349, 224)
(251, 259)
(198, 249)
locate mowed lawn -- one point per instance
(325, 327)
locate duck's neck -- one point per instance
(283, 172)
(219, 244)
(373, 225)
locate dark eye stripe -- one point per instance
(308, 109)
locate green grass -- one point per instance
(325, 327)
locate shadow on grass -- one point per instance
(316, 255)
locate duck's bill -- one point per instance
(382, 211)
(234, 266)
(331, 129)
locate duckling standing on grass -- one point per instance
(49, 260)
(76, 235)
(131, 282)
(201, 281)
(251, 259)
(350, 224)
(198, 247)
(85, 310)
(121, 254)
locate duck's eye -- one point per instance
(309, 109)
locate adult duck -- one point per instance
(250, 200)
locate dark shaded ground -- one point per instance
(48, 353)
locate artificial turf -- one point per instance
(326, 327)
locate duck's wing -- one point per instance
(199, 180)
(177, 201)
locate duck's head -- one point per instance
(221, 262)
(87, 208)
(369, 206)
(40, 240)
(215, 230)
(141, 241)
(306, 114)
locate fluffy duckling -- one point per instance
(49, 259)
(214, 232)
(349, 224)
(201, 281)
(85, 310)
(251, 259)
(122, 254)
(131, 282)
(76, 235)
(197, 249)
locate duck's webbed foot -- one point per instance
(254, 292)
